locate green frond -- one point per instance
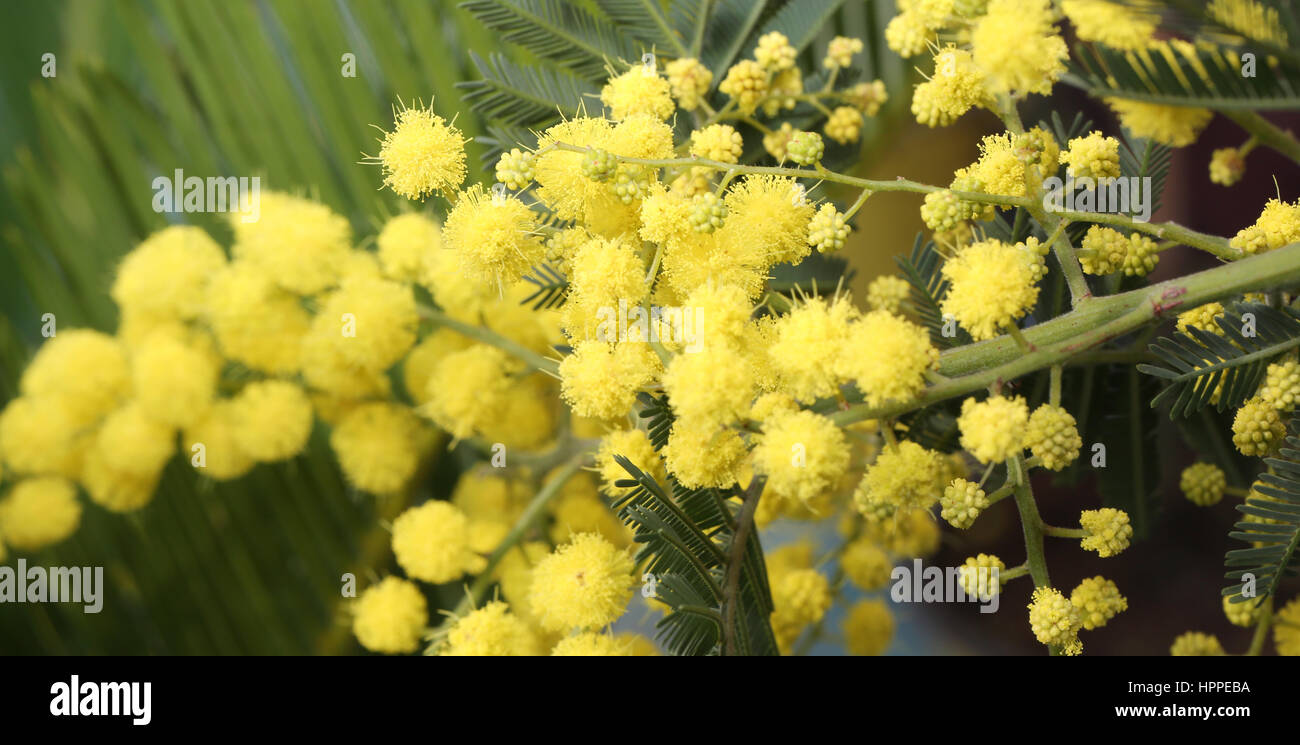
(1146, 159)
(921, 269)
(728, 33)
(646, 21)
(800, 21)
(1198, 364)
(1275, 531)
(686, 543)
(1208, 76)
(552, 288)
(523, 95)
(660, 416)
(560, 31)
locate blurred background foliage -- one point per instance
(144, 87)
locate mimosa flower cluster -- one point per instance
(297, 332)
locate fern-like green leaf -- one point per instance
(646, 21)
(922, 271)
(510, 94)
(561, 31)
(686, 541)
(1205, 76)
(1197, 364)
(727, 34)
(1272, 525)
(552, 288)
(801, 20)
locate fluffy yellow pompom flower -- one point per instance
(390, 617)
(468, 389)
(746, 83)
(275, 419)
(300, 244)
(1176, 126)
(218, 433)
(88, 368)
(1277, 226)
(807, 344)
(715, 385)
(166, 275)
(114, 488)
(423, 155)
(1092, 156)
(175, 381)
(962, 502)
(1113, 24)
(992, 287)
(425, 358)
(868, 628)
(1241, 612)
(584, 584)
(888, 357)
(39, 512)
(632, 444)
(378, 446)
(1016, 44)
(903, 478)
(1106, 531)
(132, 441)
(689, 80)
(1286, 629)
(802, 454)
(888, 293)
(717, 142)
(1257, 429)
(1098, 600)
(907, 34)
(980, 576)
(493, 237)
(1227, 165)
(369, 322)
(1055, 620)
(255, 322)
(1203, 484)
(840, 51)
(43, 435)
(1052, 435)
(957, 86)
(603, 273)
(701, 454)
(768, 213)
(600, 380)
(639, 91)
(592, 644)
(432, 543)
(801, 597)
(866, 565)
(993, 430)
(1196, 644)
(403, 243)
(490, 631)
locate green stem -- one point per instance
(487, 336)
(1266, 132)
(1030, 522)
(976, 366)
(1055, 532)
(735, 559)
(531, 514)
(1261, 629)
